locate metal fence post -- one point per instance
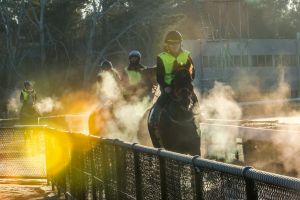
(162, 169)
(73, 175)
(119, 156)
(76, 172)
(198, 182)
(251, 191)
(104, 164)
(47, 155)
(92, 160)
(138, 175)
(81, 175)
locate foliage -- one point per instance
(71, 37)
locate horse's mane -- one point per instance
(182, 79)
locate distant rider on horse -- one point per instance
(107, 66)
(28, 100)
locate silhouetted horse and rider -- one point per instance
(177, 129)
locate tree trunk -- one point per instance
(89, 55)
(42, 32)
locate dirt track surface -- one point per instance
(23, 189)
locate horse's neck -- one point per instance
(177, 111)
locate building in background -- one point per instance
(229, 61)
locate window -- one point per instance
(285, 60)
(245, 61)
(262, 60)
(278, 61)
(254, 61)
(236, 61)
(269, 61)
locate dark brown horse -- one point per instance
(178, 130)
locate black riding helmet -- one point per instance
(27, 83)
(173, 37)
(135, 53)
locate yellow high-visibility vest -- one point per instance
(169, 60)
(134, 76)
(27, 95)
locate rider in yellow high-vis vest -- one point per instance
(137, 78)
(134, 69)
(28, 94)
(28, 99)
(168, 61)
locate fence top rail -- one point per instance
(66, 115)
(219, 166)
(24, 126)
(9, 119)
(29, 126)
(274, 179)
(196, 161)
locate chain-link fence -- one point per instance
(85, 167)
(22, 152)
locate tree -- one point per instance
(12, 14)
(39, 21)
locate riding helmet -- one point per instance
(173, 37)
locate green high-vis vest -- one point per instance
(134, 77)
(25, 95)
(169, 60)
(28, 96)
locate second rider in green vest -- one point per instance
(168, 61)
(137, 78)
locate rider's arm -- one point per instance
(116, 75)
(160, 73)
(124, 77)
(34, 96)
(21, 97)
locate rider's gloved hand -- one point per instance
(168, 90)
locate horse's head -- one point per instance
(183, 88)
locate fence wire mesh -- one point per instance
(22, 152)
(85, 167)
(218, 185)
(110, 169)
